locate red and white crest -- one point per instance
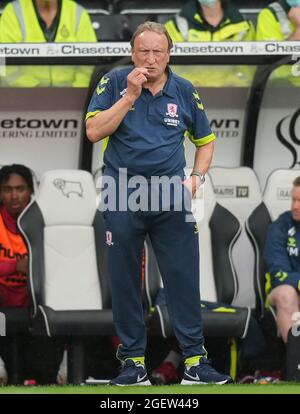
(172, 110)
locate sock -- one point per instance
(174, 358)
(191, 361)
(194, 360)
(2, 364)
(139, 360)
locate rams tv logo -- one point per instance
(284, 193)
(239, 191)
(293, 140)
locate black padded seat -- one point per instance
(276, 200)
(218, 229)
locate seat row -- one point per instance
(68, 278)
(117, 20)
(233, 217)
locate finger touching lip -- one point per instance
(144, 71)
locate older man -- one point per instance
(147, 111)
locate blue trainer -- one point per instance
(204, 373)
(133, 373)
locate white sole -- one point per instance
(186, 382)
(146, 383)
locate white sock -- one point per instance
(2, 364)
(3, 373)
(173, 357)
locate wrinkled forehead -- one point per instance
(151, 39)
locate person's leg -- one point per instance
(125, 241)
(174, 237)
(62, 373)
(3, 354)
(286, 300)
(175, 243)
(11, 360)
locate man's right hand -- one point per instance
(135, 81)
(22, 266)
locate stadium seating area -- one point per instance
(116, 20)
(232, 211)
(125, 15)
(232, 214)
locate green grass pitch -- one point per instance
(280, 388)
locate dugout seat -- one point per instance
(99, 4)
(141, 11)
(217, 230)
(276, 200)
(250, 14)
(145, 7)
(238, 190)
(110, 27)
(68, 286)
(250, 10)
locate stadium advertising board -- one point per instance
(41, 127)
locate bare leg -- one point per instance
(286, 300)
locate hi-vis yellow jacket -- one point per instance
(273, 24)
(189, 26)
(19, 23)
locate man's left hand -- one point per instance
(192, 184)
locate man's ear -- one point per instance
(132, 56)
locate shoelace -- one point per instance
(129, 364)
(204, 360)
(204, 363)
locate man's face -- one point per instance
(15, 195)
(150, 51)
(296, 203)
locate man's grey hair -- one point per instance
(151, 27)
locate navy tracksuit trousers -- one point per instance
(176, 246)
